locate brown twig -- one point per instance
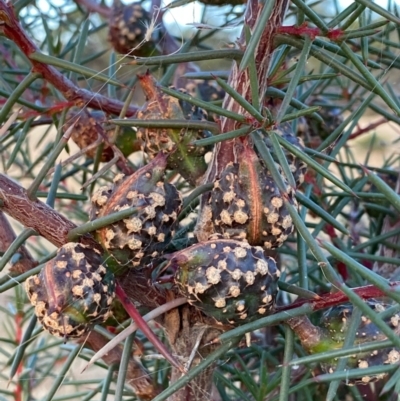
(230, 151)
(34, 214)
(13, 30)
(368, 128)
(239, 79)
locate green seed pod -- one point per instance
(336, 321)
(229, 280)
(135, 240)
(128, 26)
(246, 204)
(185, 158)
(73, 291)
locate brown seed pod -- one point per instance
(128, 29)
(185, 158)
(72, 292)
(246, 204)
(229, 280)
(88, 128)
(135, 240)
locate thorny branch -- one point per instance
(224, 152)
(13, 30)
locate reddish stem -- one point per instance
(141, 323)
(18, 338)
(368, 128)
(336, 298)
(81, 97)
(305, 30)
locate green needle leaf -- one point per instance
(16, 95)
(315, 165)
(231, 54)
(57, 383)
(368, 274)
(205, 105)
(391, 195)
(100, 223)
(379, 10)
(375, 84)
(321, 212)
(240, 99)
(295, 79)
(286, 371)
(77, 68)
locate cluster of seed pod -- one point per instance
(244, 214)
(227, 275)
(73, 292)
